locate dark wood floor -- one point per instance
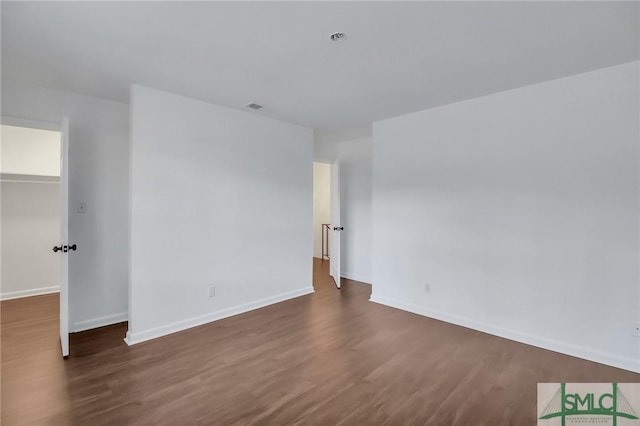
(327, 358)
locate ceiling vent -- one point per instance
(254, 106)
(338, 37)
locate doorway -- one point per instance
(33, 194)
(321, 210)
(326, 218)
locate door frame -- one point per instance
(64, 279)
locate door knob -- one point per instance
(338, 228)
(65, 248)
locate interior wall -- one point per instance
(30, 222)
(219, 197)
(321, 203)
(517, 214)
(27, 151)
(355, 158)
(98, 164)
(326, 141)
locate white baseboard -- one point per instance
(27, 293)
(143, 336)
(99, 322)
(355, 277)
(606, 358)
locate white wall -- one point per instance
(28, 151)
(218, 197)
(355, 205)
(98, 163)
(30, 223)
(520, 210)
(321, 204)
(326, 141)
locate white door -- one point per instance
(336, 227)
(63, 250)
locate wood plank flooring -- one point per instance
(328, 358)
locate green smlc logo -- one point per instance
(613, 404)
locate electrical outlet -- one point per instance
(212, 292)
(82, 207)
(427, 287)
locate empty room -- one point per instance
(323, 213)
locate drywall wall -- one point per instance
(98, 164)
(326, 141)
(30, 222)
(517, 214)
(219, 197)
(355, 208)
(28, 151)
(325, 151)
(321, 204)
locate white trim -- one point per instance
(323, 160)
(355, 277)
(28, 293)
(20, 178)
(142, 336)
(541, 342)
(27, 181)
(100, 321)
(28, 123)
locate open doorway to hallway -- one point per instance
(326, 217)
(322, 226)
(321, 210)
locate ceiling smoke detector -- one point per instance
(254, 106)
(338, 37)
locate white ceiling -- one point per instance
(399, 56)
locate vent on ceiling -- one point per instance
(254, 106)
(338, 37)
